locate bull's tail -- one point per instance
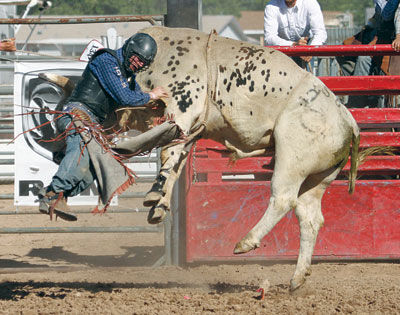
(355, 161)
(64, 83)
(358, 158)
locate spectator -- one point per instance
(362, 65)
(292, 23)
(386, 33)
(396, 41)
(377, 31)
(394, 63)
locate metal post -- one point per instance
(175, 209)
(184, 13)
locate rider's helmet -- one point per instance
(143, 46)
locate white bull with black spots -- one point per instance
(252, 99)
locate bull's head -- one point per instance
(139, 118)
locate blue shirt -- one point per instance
(106, 69)
(389, 10)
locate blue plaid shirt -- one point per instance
(107, 71)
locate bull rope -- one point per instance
(204, 115)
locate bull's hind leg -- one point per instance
(294, 161)
(285, 186)
(307, 142)
(308, 212)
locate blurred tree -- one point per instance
(215, 7)
(356, 7)
(233, 7)
(104, 7)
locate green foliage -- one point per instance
(215, 7)
(105, 7)
(232, 7)
(357, 7)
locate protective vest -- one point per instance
(89, 91)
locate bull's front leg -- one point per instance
(159, 197)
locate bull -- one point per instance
(252, 99)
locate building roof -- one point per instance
(84, 33)
(338, 19)
(252, 20)
(217, 22)
(73, 33)
(225, 25)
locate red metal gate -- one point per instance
(221, 209)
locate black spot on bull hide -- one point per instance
(185, 102)
(251, 88)
(182, 93)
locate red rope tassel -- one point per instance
(51, 209)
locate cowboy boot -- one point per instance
(54, 203)
(156, 215)
(155, 194)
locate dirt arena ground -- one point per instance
(113, 274)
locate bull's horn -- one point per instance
(63, 82)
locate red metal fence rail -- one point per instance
(221, 208)
(338, 50)
(366, 85)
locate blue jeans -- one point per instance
(361, 66)
(75, 172)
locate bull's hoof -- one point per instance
(244, 246)
(156, 215)
(152, 198)
(296, 283)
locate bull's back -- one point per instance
(253, 84)
(236, 83)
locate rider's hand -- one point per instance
(158, 92)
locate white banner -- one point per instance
(90, 49)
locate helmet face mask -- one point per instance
(141, 45)
(136, 64)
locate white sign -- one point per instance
(90, 49)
